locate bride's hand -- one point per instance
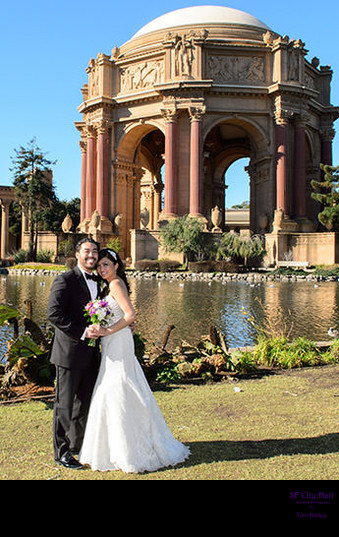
(102, 331)
(93, 331)
(99, 331)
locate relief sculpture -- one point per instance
(142, 75)
(224, 69)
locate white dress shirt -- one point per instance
(93, 289)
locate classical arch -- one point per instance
(227, 141)
(139, 159)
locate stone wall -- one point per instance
(314, 248)
(146, 245)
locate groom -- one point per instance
(76, 362)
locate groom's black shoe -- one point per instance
(68, 461)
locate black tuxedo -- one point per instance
(69, 295)
(76, 362)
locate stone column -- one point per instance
(83, 147)
(156, 204)
(281, 171)
(196, 194)
(171, 163)
(24, 224)
(300, 170)
(4, 226)
(327, 135)
(90, 174)
(102, 169)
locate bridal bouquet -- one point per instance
(98, 312)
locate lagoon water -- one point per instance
(192, 306)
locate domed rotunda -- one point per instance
(168, 112)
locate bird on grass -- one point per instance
(333, 332)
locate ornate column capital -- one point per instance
(301, 119)
(170, 115)
(83, 146)
(282, 112)
(89, 131)
(327, 133)
(196, 112)
(102, 126)
(282, 117)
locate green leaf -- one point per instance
(23, 347)
(7, 313)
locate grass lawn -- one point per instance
(278, 427)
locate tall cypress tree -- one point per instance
(327, 193)
(33, 187)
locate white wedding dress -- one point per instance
(125, 428)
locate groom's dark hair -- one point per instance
(82, 241)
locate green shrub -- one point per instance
(301, 352)
(201, 266)
(244, 362)
(66, 248)
(268, 351)
(225, 266)
(114, 243)
(147, 265)
(20, 256)
(289, 271)
(44, 256)
(168, 372)
(327, 271)
(168, 265)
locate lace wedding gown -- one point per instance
(125, 428)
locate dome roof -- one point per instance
(201, 15)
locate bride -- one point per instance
(125, 428)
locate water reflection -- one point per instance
(193, 306)
(196, 305)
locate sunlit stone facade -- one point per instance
(167, 113)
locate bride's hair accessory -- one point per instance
(113, 254)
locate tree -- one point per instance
(242, 205)
(54, 215)
(32, 187)
(327, 193)
(243, 246)
(183, 235)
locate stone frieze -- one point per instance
(142, 75)
(229, 69)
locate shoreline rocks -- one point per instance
(249, 277)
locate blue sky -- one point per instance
(45, 48)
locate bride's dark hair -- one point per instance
(113, 256)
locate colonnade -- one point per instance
(282, 163)
(94, 171)
(300, 191)
(171, 160)
(6, 197)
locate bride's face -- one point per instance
(107, 269)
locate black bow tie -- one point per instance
(91, 277)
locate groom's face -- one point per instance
(87, 256)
